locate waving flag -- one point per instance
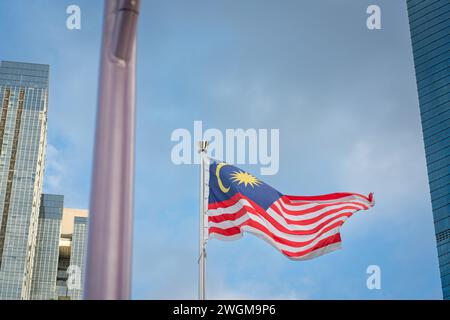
(301, 227)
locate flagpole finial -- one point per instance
(203, 146)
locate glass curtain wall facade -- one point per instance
(77, 255)
(23, 134)
(429, 23)
(43, 286)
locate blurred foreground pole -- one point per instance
(108, 266)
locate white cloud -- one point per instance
(54, 170)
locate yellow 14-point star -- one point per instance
(245, 178)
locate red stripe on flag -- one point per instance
(320, 245)
(325, 197)
(226, 203)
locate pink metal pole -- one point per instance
(108, 266)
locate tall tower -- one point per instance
(23, 135)
(429, 23)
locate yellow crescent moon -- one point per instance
(219, 181)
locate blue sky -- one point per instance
(344, 98)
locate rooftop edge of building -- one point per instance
(24, 75)
(24, 65)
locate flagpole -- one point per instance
(203, 147)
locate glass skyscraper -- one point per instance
(429, 23)
(23, 135)
(43, 286)
(42, 245)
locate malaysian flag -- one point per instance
(301, 227)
